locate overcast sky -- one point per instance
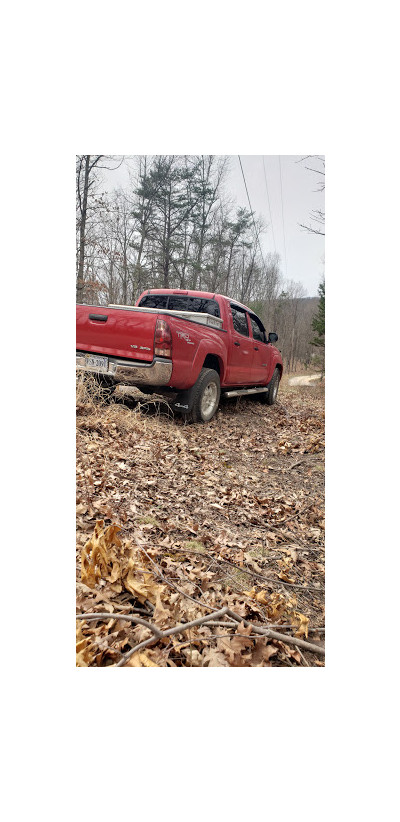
(304, 251)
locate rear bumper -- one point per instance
(155, 373)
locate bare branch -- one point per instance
(93, 617)
(312, 230)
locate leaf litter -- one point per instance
(175, 521)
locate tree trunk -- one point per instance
(82, 231)
(125, 278)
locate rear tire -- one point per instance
(207, 392)
(269, 398)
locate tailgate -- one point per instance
(117, 332)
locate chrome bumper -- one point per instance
(155, 373)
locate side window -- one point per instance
(239, 320)
(257, 328)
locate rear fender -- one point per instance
(218, 351)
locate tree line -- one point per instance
(174, 225)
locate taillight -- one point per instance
(162, 339)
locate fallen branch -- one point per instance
(179, 629)
(286, 626)
(182, 627)
(290, 640)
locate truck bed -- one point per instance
(192, 316)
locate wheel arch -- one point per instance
(215, 362)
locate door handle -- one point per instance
(101, 318)
(237, 343)
(256, 348)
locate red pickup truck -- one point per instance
(187, 345)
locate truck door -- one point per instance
(239, 371)
(261, 351)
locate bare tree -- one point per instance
(211, 174)
(287, 315)
(142, 209)
(87, 166)
(316, 164)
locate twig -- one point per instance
(92, 617)
(220, 636)
(274, 529)
(302, 656)
(101, 597)
(274, 581)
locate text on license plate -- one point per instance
(97, 363)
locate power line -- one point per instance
(283, 221)
(269, 205)
(252, 215)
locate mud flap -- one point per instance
(183, 402)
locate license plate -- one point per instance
(97, 363)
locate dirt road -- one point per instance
(304, 380)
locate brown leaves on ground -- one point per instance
(99, 557)
(172, 518)
(105, 556)
(84, 648)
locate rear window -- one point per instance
(154, 301)
(177, 302)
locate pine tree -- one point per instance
(318, 323)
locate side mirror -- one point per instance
(272, 337)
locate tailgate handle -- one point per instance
(102, 318)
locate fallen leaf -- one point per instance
(84, 649)
(161, 616)
(140, 660)
(214, 659)
(300, 622)
(284, 576)
(251, 594)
